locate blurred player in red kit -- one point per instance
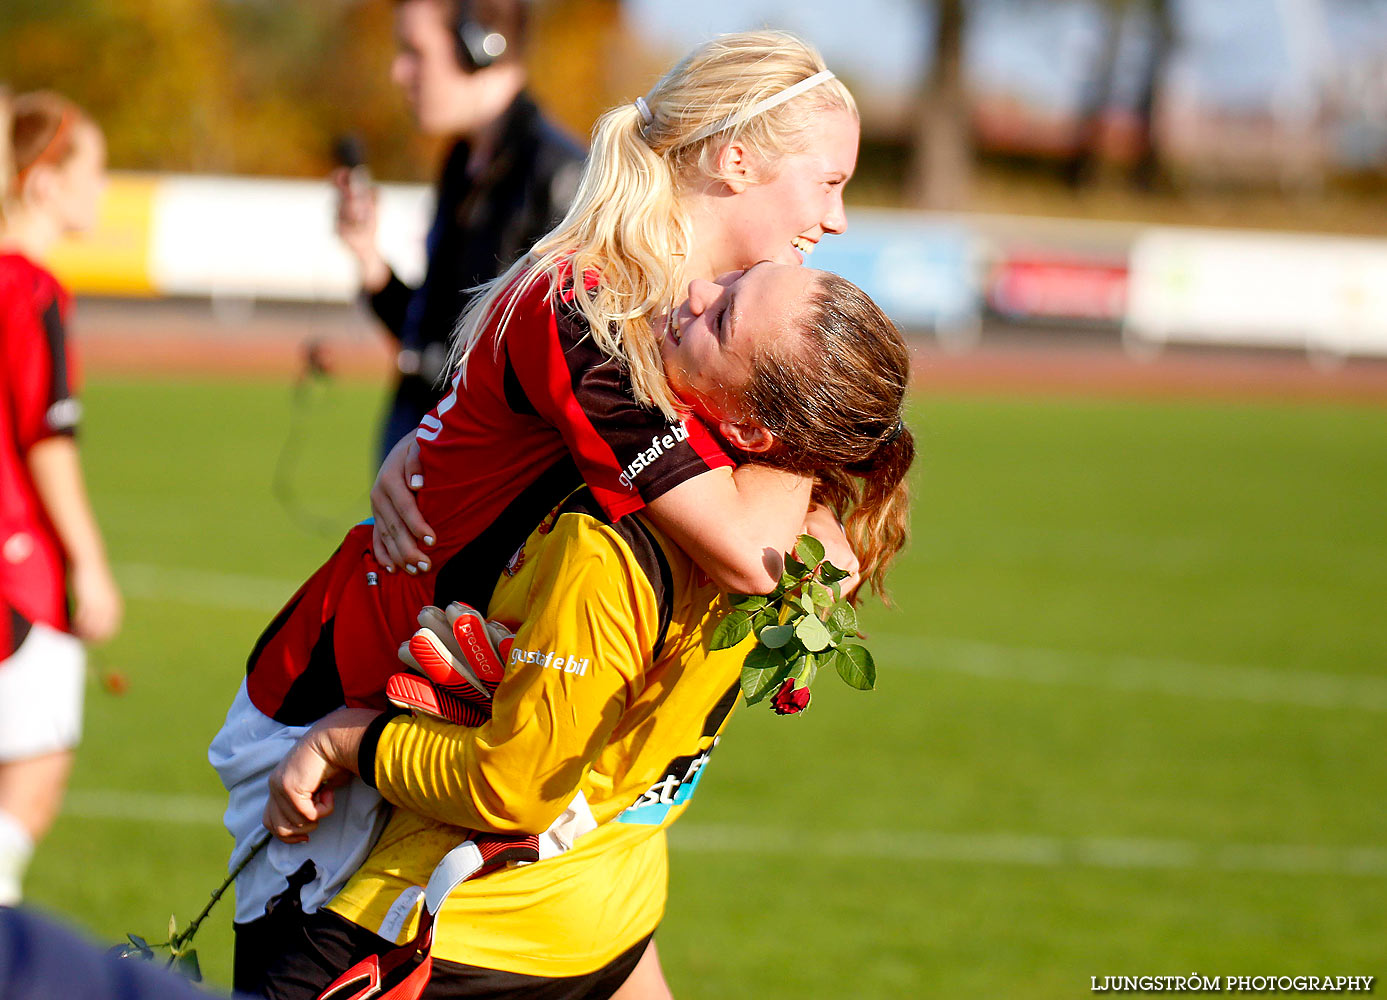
(52, 171)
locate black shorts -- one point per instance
(292, 956)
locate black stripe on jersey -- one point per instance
(686, 768)
(646, 550)
(318, 690)
(721, 710)
(664, 593)
(515, 392)
(602, 386)
(652, 454)
(18, 631)
(271, 630)
(58, 386)
(370, 743)
(472, 573)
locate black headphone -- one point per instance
(477, 45)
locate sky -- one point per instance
(1237, 54)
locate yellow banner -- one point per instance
(112, 259)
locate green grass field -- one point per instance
(1130, 717)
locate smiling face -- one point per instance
(713, 338)
(783, 209)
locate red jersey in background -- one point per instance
(37, 400)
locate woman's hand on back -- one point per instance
(399, 527)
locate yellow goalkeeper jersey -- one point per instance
(610, 689)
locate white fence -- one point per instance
(247, 239)
(1326, 295)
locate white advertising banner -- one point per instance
(1327, 295)
(272, 239)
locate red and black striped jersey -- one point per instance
(539, 393)
(37, 401)
(540, 411)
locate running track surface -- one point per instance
(186, 338)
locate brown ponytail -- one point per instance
(35, 128)
(834, 398)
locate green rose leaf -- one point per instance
(142, 947)
(822, 597)
(750, 603)
(775, 636)
(763, 670)
(810, 631)
(843, 617)
(830, 573)
(795, 569)
(187, 966)
(731, 630)
(809, 550)
(803, 668)
(856, 666)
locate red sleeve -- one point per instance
(628, 454)
(41, 373)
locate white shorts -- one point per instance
(244, 753)
(41, 687)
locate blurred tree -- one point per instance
(264, 86)
(152, 72)
(1080, 169)
(312, 71)
(577, 51)
(354, 94)
(246, 86)
(941, 166)
(1147, 170)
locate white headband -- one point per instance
(792, 91)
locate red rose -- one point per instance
(790, 700)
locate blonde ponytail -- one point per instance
(627, 227)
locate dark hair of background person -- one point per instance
(508, 18)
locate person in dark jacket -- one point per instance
(41, 960)
(506, 180)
